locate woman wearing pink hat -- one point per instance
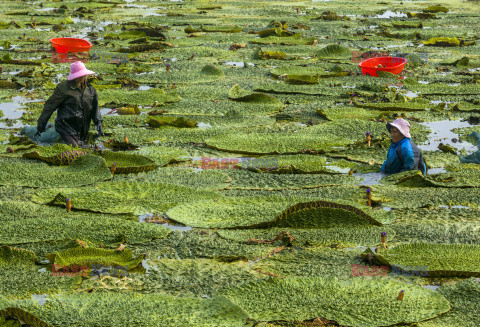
(402, 154)
(77, 104)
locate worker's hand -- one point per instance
(40, 130)
(100, 130)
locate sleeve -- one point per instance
(50, 106)
(97, 116)
(408, 157)
(383, 166)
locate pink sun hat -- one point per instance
(78, 69)
(402, 125)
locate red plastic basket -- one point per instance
(392, 65)
(70, 44)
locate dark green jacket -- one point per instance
(76, 110)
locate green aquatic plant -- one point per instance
(87, 309)
(81, 256)
(123, 197)
(464, 298)
(87, 169)
(159, 121)
(334, 51)
(16, 256)
(296, 39)
(162, 155)
(270, 54)
(440, 260)
(436, 9)
(29, 223)
(443, 42)
(133, 97)
(23, 316)
(127, 163)
(407, 24)
(421, 15)
(236, 93)
(353, 302)
(173, 276)
(57, 154)
(145, 47)
(337, 237)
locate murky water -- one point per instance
(433, 171)
(442, 133)
(454, 207)
(431, 287)
(391, 14)
(369, 178)
(238, 63)
(40, 298)
(180, 228)
(204, 125)
(338, 169)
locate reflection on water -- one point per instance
(391, 14)
(369, 178)
(238, 63)
(204, 125)
(431, 287)
(442, 133)
(40, 298)
(432, 171)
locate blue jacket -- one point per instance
(403, 155)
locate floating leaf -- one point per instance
(440, 260)
(352, 302)
(81, 256)
(442, 42)
(16, 256)
(85, 170)
(159, 121)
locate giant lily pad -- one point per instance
(85, 309)
(127, 163)
(356, 302)
(459, 260)
(123, 197)
(15, 256)
(159, 121)
(195, 277)
(264, 212)
(85, 170)
(336, 236)
(464, 299)
(236, 93)
(87, 256)
(26, 222)
(148, 97)
(58, 154)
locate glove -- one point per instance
(40, 130)
(100, 130)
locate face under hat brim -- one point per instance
(80, 73)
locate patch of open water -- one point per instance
(391, 14)
(238, 63)
(40, 298)
(369, 178)
(442, 133)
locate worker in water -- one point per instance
(77, 104)
(402, 154)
